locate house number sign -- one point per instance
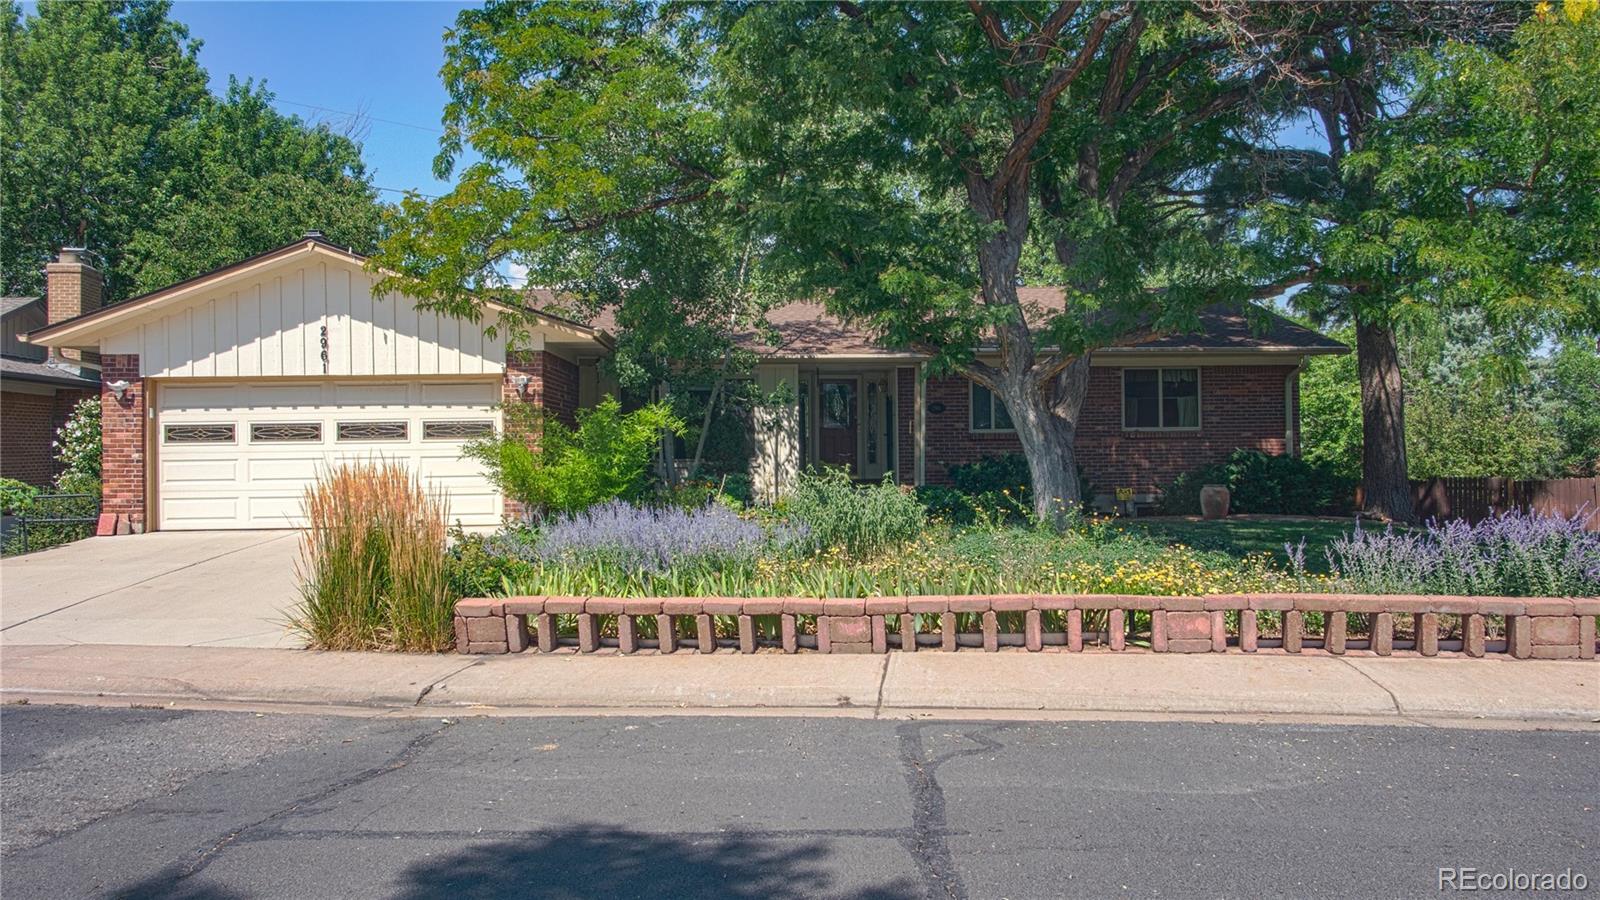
(324, 349)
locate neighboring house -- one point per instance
(38, 389)
(227, 394)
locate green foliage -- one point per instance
(1330, 413)
(1476, 428)
(475, 571)
(1572, 398)
(77, 442)
(856, 519)
(994, 474)
(15, 496)
(680, 177)
(112, 141)
(53, 505)
(550, 468)
(1263, 483)
(945, 504)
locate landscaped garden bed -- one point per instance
(839, 566)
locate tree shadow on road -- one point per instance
(597, 861)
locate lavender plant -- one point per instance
(1511, 554)
(642, 539)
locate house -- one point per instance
(38, 389)
(1154, 410)
(225, 395)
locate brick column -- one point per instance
(552, 386)
(122, 464)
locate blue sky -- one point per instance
(328, 60)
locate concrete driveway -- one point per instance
(218, 588)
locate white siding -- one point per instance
(272, 325)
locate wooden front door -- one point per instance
(838, 421)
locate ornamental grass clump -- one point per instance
(857, 520)
(1513, 554)
(372, 568)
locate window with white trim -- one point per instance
(988, 411)
(1160, 398)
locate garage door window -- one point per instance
(285, 431)
(457, 429)
(372, 431)
(198, 434)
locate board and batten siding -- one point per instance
(273, 326)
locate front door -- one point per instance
(836, 414)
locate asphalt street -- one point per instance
(154, 803)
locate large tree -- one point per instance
(112, 141)
(899, 160)
(1459, 167)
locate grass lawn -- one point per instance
(1242, 535)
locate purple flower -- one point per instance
(1511, 553)
(654, 540)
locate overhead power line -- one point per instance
(353, 115)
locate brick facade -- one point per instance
(1240, 407)
(905, 439)
(28, 426)
(122, 437)
(552, 385)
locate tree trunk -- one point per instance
(1047, 441)
(1386, 489)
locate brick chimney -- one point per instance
(72, 288)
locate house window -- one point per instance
(988, 411)
(372, 431)
(1160, 398)
(285, 431)
(457, 429)
(198, 434)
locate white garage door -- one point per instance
(241, 454)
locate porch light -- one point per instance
(118, 389)
(521, 382)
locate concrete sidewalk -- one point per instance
(1008, 685)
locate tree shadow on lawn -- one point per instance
(598, 861)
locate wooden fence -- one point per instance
(1477, 498)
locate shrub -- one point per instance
(77, 442)
(551, 468)
(945, 504)
(860, 520)
(372, 570)
(481, 565)
(15, 496)
(53, 505)
(1513, 554)
(1263, 483)
(994, 474)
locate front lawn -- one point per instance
(1241, 536)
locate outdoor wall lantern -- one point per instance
(521, 382)
(118, 389)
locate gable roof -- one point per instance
(806, 330)
(91, 325)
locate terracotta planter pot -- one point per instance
(1214, 501)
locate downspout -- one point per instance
(1291, 411)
